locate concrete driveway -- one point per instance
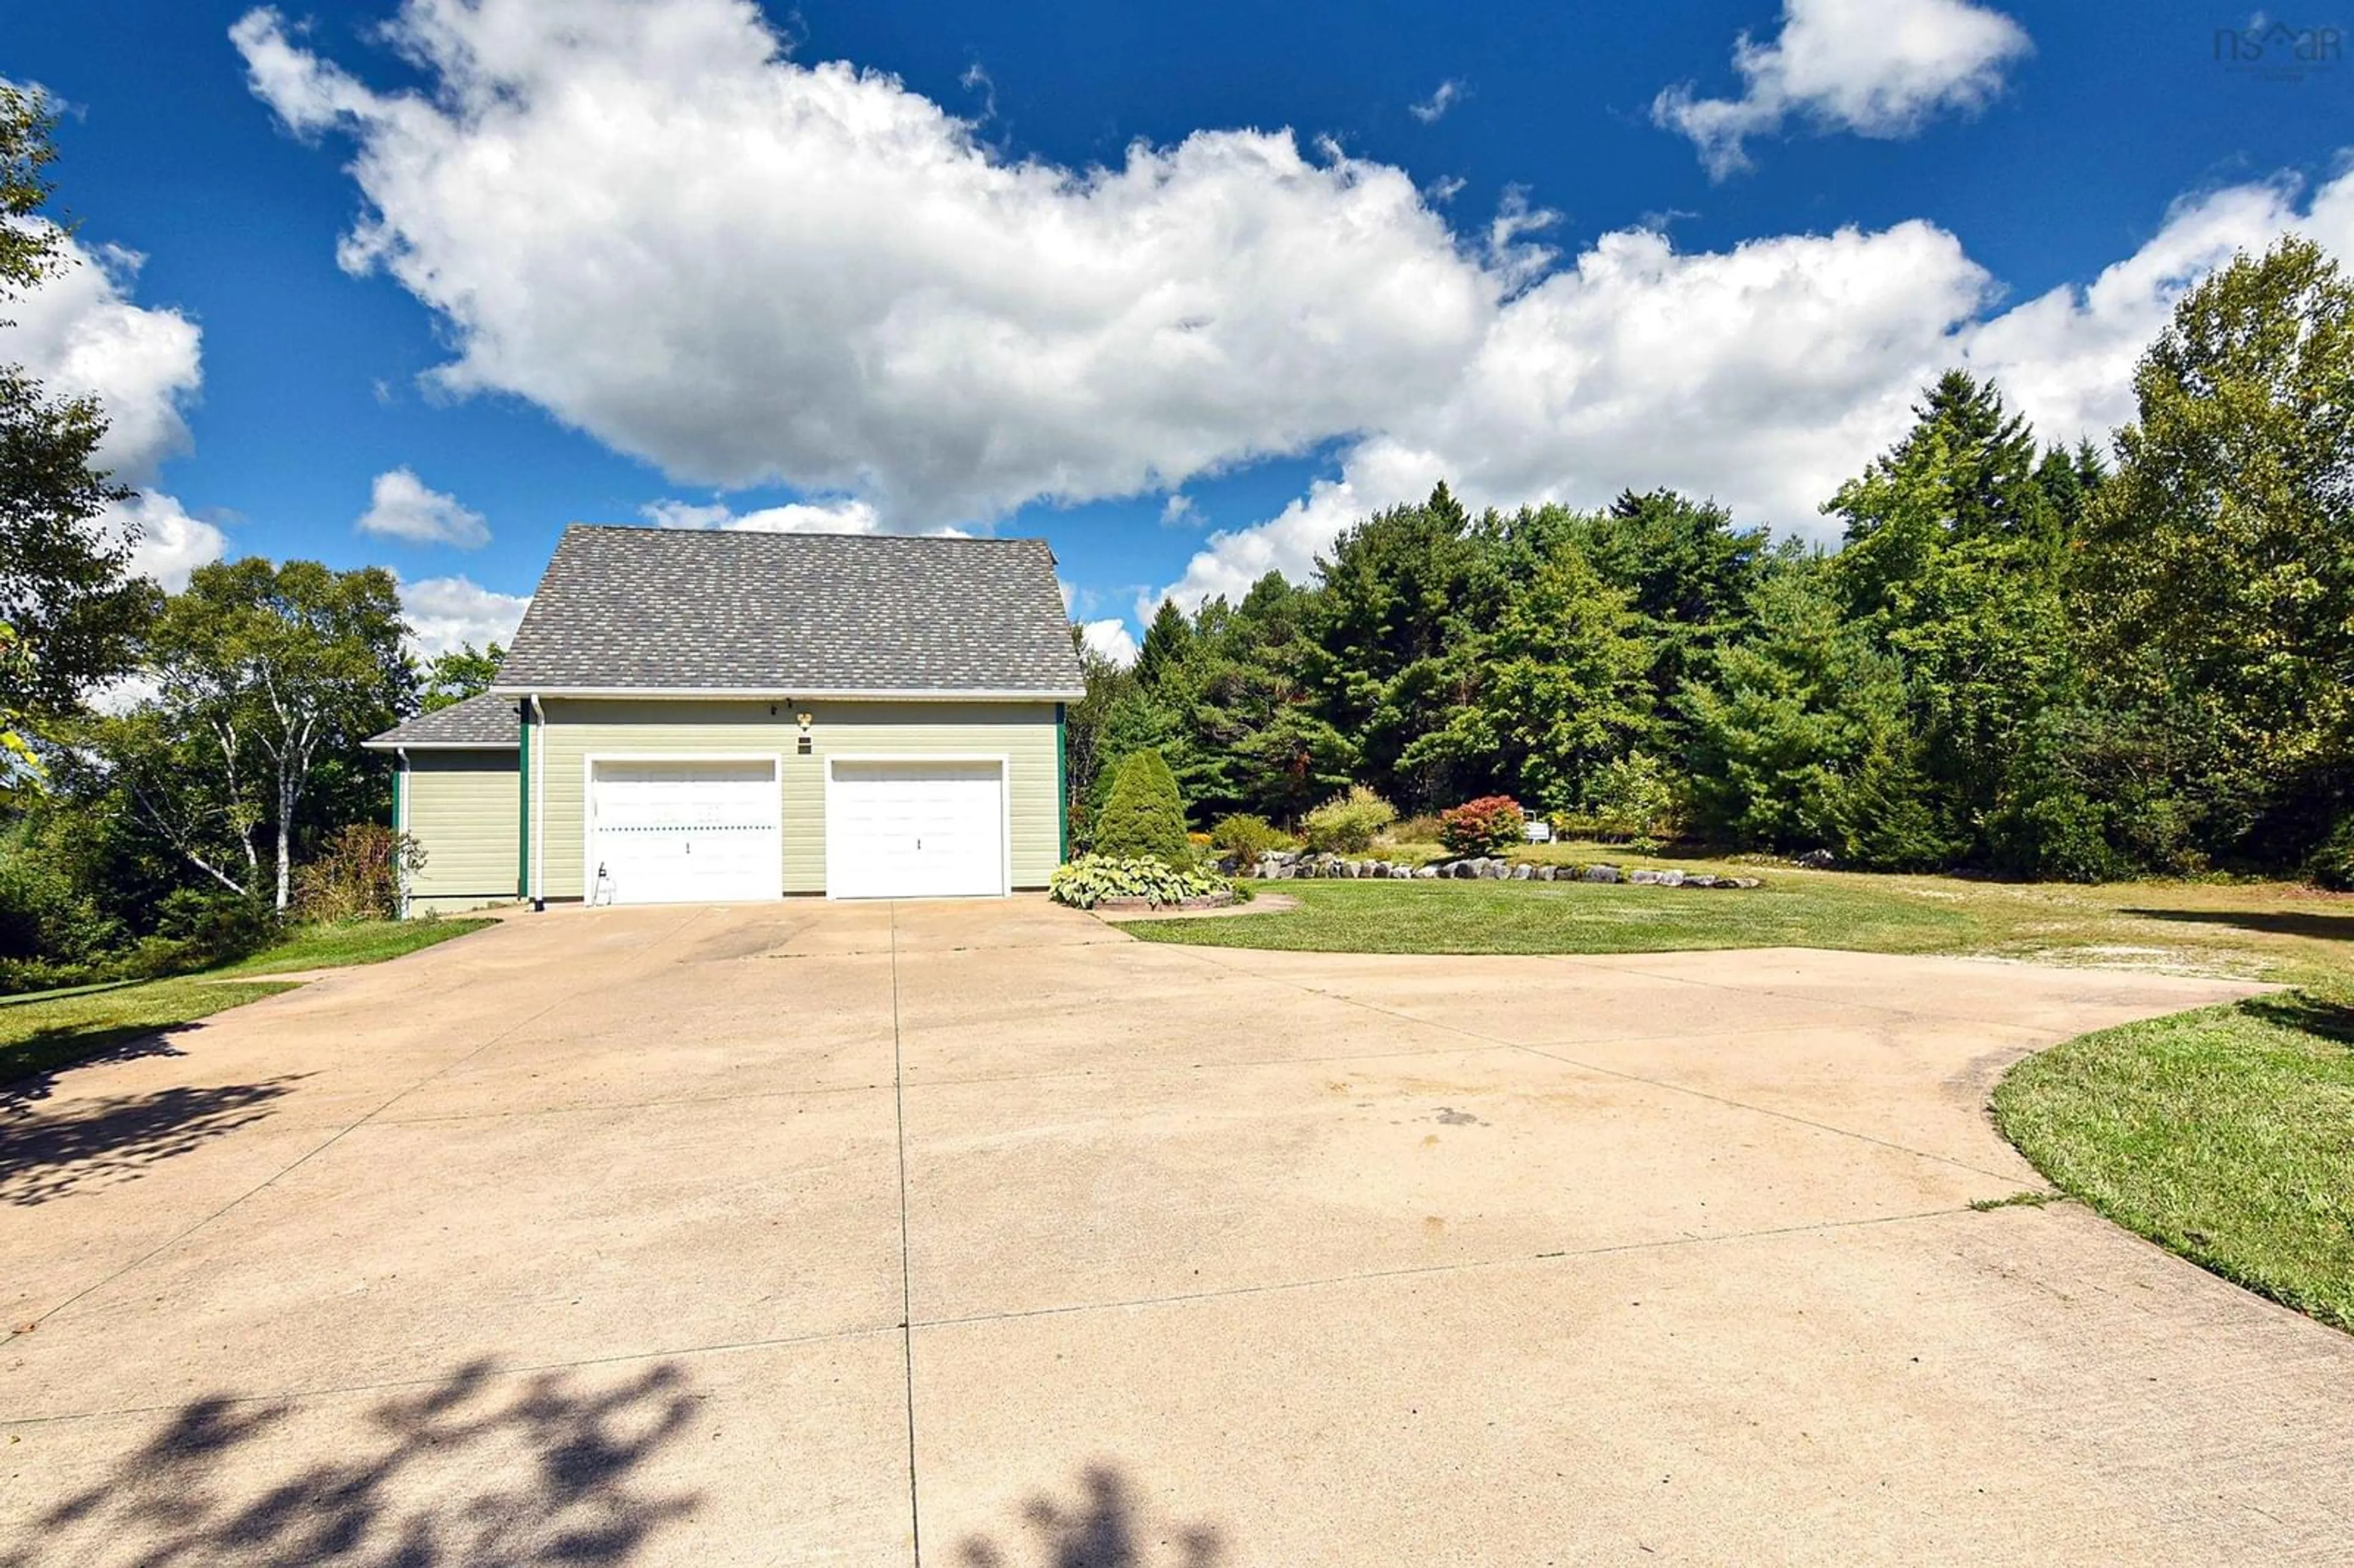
(597, 1238)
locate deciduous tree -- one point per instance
(266, 680)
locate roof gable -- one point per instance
(626, 610)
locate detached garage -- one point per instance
(725, 718)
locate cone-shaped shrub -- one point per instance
(1145, 816)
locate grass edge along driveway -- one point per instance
(2222, 1134)
(43, 1030)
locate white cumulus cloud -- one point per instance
(648, 219)
(445, 612)
(400, 506)
(1109, 638)
(1763, 376)
(794, 517)
(167, 544)
(1878, 67)
(79, 334)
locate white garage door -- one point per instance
(684, 832)
(915, 830)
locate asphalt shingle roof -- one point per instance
(653, 608)
(485, 721)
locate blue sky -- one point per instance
(685, 271)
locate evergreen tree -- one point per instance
(1953, 568)
(1145, 816)
(1781, 721)
(1556, 689)
(1687, 572)
(1396, 604)
(1166, 642)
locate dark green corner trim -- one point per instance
(1062, 792)
(522, 816)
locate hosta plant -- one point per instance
(1092, 878)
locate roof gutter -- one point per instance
(806, 693)
(405, 747)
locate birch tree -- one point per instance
(265, 679)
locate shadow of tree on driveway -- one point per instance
(50, 1151)
(1106, 1529)
(477, 1470)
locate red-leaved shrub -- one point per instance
(1489, 825)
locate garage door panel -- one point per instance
(684, 832)
(914, 828)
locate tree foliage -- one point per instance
(2014, 657)
(30, 247)
(1144, 818)
(2217, 584)
(65, 592)
(266, 680)
(463, 672)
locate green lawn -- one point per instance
(2259, 930)
(1570, 918)
(2226, 1134)
(48, 1030)
(56, 1029)
(361, 942)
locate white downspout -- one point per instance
(539, 810)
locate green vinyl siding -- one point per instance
(464, 808)
(1025, 734)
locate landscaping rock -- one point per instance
(1547, 872)
(1703, 880)
(1425, 873)
(1601, 874)
(1740, 881)
(1672, 879)
(1647, 877)
(1461, 870)
(1523, 873)
(1818, 859)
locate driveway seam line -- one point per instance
(906, 1290)
(1560, 1254)
(305, 1158)
(1466, 1266)
(1655, 1083)
(670, 1102)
